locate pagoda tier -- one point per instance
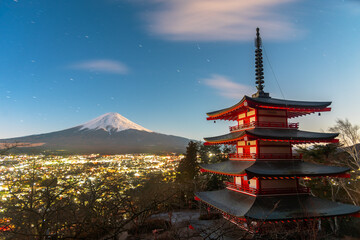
(287, 135)
(293, 108)
(274, 208)
(274, 168)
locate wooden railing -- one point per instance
(268, 191)
(242, 188)
(265, 156)
(265, 125)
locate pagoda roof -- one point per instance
(282, 168)
(301, 107)
(289, 103)
(272, 208)
(292, 135)
(225, 110)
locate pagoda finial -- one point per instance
(259, 70)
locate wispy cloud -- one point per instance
(212, 20)
(102, 65)
(227, 88)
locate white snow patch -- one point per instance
(112, 122)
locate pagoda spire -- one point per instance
(259, 70)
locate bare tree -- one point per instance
(349, 136)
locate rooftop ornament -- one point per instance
(259, 70)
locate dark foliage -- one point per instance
(213, 153)
(344, 190)
(215, 182)
(188, 167)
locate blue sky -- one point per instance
(164, 63)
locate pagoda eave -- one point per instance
(302, 141)
(230, 116)
(277, 177)
(290, 135)
(219, 143)
(222, 173)
(248, 219)
(303, 110)
(294, 108)
(289, 105)
(305, 177)
(275, 169)
(274, 208)
(226, 118)
(233, 142)
(269, 134)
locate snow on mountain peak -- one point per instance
(111, 122)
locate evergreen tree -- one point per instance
(188, 167)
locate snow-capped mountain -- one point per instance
(111, 122)
(110, 133)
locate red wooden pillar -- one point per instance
(256, 115)
(258, 185)
(245, 183)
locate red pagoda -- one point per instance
(264, 188)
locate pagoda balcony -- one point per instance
(267, 191)
(264, 156)
(264, 125)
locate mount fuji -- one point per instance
(111, 122)
(110, 133)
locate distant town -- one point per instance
(81, 168)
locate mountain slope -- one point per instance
(108, 134)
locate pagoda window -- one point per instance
(238, 180)
(251, 112)
(253, 183)
(253, 150)
(242, 115)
